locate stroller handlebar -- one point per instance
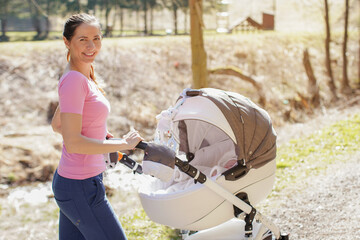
(141, 145)
(130, 163)
(182, 165)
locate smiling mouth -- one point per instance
(89, 54)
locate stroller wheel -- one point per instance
(284, 236)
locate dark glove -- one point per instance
(159, 161)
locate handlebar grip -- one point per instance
(141, 145)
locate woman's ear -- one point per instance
(67, 43)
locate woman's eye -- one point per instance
(82, 39)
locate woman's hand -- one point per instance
(109, 135)
(132, 138)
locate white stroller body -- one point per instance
(230, 140)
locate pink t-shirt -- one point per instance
(79, 95)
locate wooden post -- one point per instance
(313, 88)
(198, 54)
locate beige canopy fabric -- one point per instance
(252, 126)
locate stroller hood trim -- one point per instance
(200, 108)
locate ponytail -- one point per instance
(92, 76)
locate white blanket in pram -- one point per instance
(211, 160)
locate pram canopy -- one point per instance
(251, 126)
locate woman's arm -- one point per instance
(55, 122)
(71, 124)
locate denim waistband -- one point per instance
(68, 183)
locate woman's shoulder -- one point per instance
(74, 77)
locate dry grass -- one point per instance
(144, 76)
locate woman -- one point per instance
(85, 212)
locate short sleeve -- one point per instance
(73, 89)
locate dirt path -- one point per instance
(321, 207)
(325, 206)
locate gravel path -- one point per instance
(325, 206)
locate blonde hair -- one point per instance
(69, 29)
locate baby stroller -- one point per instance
(225, 164)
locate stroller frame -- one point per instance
(246, 209)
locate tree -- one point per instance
(327, 52)
(35, 17)
(42, 10)
(3, 19)
(345, 87)
(91, 6)
(123, 4)
(184, 6)
(106, 5)
(152, 5)
(73, 5)
(173, 6)
(198, 54)
(144, 4)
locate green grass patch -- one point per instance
(138, 226)
(307, 156)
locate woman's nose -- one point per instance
(90, 45)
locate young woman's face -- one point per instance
(85, 43)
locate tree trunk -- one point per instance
(234, 71)
(137, 20)
(198, 54)
(345, 87)
(175, 18)
(327, 53)
(151, 20)
(115, 15)
(47, 20)
(3, 29)
(313, 88)
(91, 6)
(185, 20)
(3, 19)
(108, 28)
(145, 17)
(35, 16)
(78, 6)
(121, 21)
(358, 83)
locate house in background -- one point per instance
(228, 20)
(249, 24)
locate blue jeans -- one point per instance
(85, 212)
